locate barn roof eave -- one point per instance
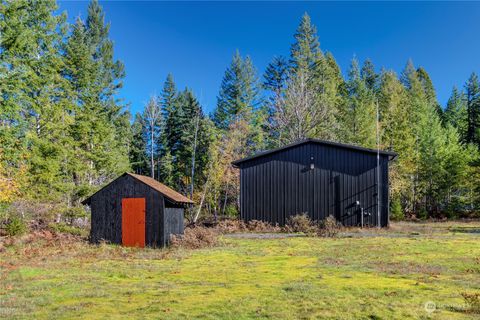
(391, 155)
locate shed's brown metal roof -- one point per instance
(163, 189)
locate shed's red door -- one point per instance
(133, 222)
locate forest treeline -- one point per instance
(64, 133)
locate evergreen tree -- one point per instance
(456, 113)
(429, 90)
(167, 173)
(319, 80)
(368, 75)
(275, 80)
(99, 126)
(328, 81)
(418, 111)
(167, 103)
(396, 133)
(359, 118)
(137, 153)
(472, 88)
(187, 156)
(431, 145)
(275, 75)
(239, 94)
(34, 109)
(305, 51)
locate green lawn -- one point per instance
(388, 274)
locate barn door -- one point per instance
(133, 222)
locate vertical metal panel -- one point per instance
(282, 184)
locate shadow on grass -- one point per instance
(475, 230)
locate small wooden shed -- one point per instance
(135, 210)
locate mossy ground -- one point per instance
(388, 274)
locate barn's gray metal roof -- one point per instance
(390, 154)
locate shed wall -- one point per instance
(281, 184)
(173, 222)
(106, 208)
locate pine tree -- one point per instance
(418, 111)
(328, 81)
(137, 153)
(239, 95)
(275, 80)
(34, 109)
(305, 51)
(368, 75)
(188, 157)
(456, 160)
(167, 173)
(359, 118)
(431, 144)
(472, 88)
(99, 127)
(456, 113)
(319, 80)
(396, 134)
(275, 75)
(429, 90)
(167, 102)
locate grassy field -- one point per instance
(362, 274)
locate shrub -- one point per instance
(41, 213)
(262, 226)
(231, 226)
(237, 225)
(4, 212)
(74, 212)
(397, 212)
(231, 210)
(301, 223)
(422, 213)
(15, 226)
(195, 237)
(329, 227)
(472, 300)
(64, 228)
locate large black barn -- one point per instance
(135, 210)
(319, 178)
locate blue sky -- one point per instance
(195, 41)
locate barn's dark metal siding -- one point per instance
(106, 209)
(281, 184)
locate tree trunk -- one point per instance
(193, 156)
(152, 166)
(202, 200)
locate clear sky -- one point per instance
(195, 41)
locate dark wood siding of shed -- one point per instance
(173, 222)
(279, 185)
(106, 208)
